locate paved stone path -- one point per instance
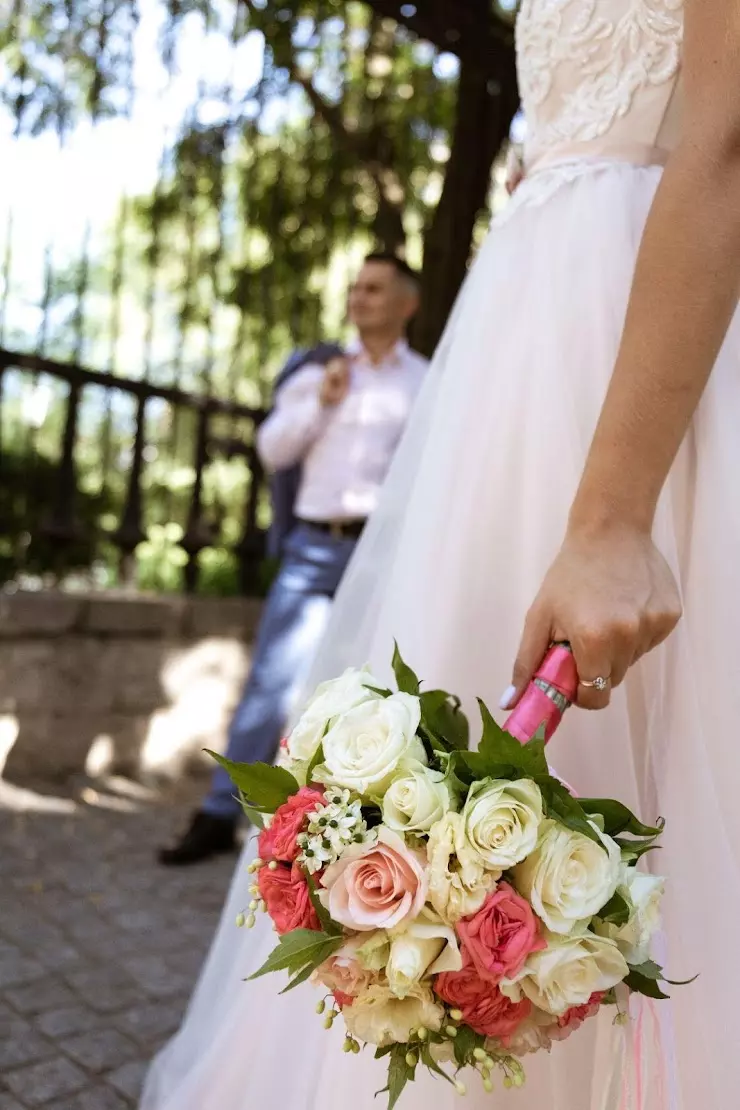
(99, 946)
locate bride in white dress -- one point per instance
(500, 463)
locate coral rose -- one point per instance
(279, 841)
(484, 1008)
(286, 895)
(574, 1018)
(501, 935)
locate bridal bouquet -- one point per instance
(458, 908)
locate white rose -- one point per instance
(365, 746)
(643, 894)
(377, 1017)
(502, 820)
(415, 800)
(330, 700)
(567, 972)
(568, 878)
(428, 947)
(458, 879)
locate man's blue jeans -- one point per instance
(293, 622)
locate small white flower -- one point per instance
(331, 830)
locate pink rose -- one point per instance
(343, 1001)
(377, 886)
(286, 895)
(484, 1008)
(280, 840)
(574, 1018)
(501, 935)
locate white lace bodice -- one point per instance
(597, 69)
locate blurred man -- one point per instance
(341, 422)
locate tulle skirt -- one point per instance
(474, 511)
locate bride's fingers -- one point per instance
(536, 639)
(596, 671)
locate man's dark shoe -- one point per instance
(207, 836)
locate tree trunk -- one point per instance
(484, 113)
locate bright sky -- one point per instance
(55, 192)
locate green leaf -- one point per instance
(406, 680)
(266, 787)
(541, 734)
(429, 1062)
(378, 690)
(618, 818)
(649, 969)
(330, 927)
(301, 977)
(480, 767)
(634, 850)
(442, 716)
(560, 804)
(385, 1051)
(297, 949)
(255, 816)
(653, 971)
(316, 759)
(616, 911)
(399, 1074)
(500, 748)
(433, 744)
(465, 1043)
(642, 984)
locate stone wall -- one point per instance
(102, 683)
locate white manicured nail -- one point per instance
(507, 697)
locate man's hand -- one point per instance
(336, 382)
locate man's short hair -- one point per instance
(402, 268)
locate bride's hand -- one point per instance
(612, 595)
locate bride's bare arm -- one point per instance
(609, 591)
(685, 288)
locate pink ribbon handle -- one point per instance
(547, 697)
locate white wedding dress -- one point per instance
(474, 512)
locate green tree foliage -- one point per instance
(355, 134)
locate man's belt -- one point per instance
(338, 529)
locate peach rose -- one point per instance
(343, 974)
(377, 886)
(501, 935)
(484, 1008)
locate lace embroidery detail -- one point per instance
(610, 60)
